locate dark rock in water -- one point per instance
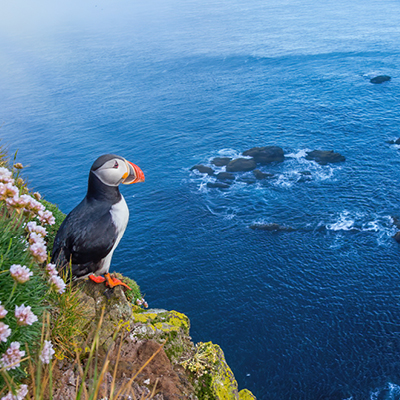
(241, 165)
(225, 176)
(306, 176)
(380, 79)
(221, 161)
(261, 175)
(396, 222)
(272, 227)
(397, 141)
(397, 237)
(324, 157)
(218, 185)
(203, 169)
(265, 155)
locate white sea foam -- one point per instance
(299, 154)
(390, 392)
(363, 222)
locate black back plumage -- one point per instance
(87, 234)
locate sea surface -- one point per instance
(308, 314)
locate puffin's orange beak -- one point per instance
(135, 174)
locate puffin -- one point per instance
(87, 238)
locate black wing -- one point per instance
(85, 237)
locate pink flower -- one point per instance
(47, 353)
(12, 357)
(20, 273)
(58, 283)
(8, 190)
(31, 204)
(39, 251)
(33, 227)
(6, 175)
(24, 315)
(20, 395)
(5, 332)
(36, 238)
(46, 217)
(51, 269)
(3, 311)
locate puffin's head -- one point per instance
(113, 170)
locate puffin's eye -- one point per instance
(115, 164)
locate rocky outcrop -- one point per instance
(380, 79)
(221, 161)
(265, 155)
(153, 346)
(203, 169)
(241, 165)
(324, 157)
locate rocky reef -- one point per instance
(226, 170)
(152, 344)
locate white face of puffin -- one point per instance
(117, 171)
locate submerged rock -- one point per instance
(380, 79)
(241, 165)
(203, 169)
(225, 176)
(221, 161)
(265, 155)
(218, 185)
(324, 157)
(397, 237)
(272, 227)
(261, 175)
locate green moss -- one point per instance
(133, 294)
(204, 388)
(246, 395)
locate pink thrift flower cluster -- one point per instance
(58, 282)
(25, 202)
(20, 395)
(54, 278)
(20, 273)
(37, 247)
(3, 311)
(47, 353)
(142, 302)
(6, 176)
(33, 227)
(5, 332)
(12, 357)
(24, 315)
(46, 217)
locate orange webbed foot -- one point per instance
(112, 282)
(96, 279)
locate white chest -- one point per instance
(120, 217)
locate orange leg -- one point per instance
(111, 282)
(97, 279)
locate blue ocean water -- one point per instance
(309, 314)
